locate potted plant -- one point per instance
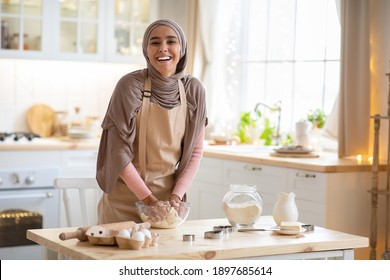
(253, 127)
(317, 118)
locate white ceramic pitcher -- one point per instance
(285, 209)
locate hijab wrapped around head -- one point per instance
(165, 89)
(119, 123)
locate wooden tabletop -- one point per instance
(232, 246)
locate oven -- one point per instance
(28, 200)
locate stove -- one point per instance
(28, 200)
(16, 136)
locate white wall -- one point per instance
(60, 84)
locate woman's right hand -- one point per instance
(157, 214)
(150, 200)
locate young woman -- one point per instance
(152, 140)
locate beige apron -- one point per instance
(158, 148)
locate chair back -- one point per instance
(80, 199)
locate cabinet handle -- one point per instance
(305, 175)
(252, 168)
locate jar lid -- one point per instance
(243, 188)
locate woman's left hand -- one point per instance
(175, 200)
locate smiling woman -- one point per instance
(152, 138)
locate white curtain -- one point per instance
(363, 85)
(354, 98)
(210, 57)
(379, 66)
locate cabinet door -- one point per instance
(78, 29)
(24, 28)
(310, 189)
(127, 21)
(206, 192)
(269, 180)
(80, 163)
(93, 30)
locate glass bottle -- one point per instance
(242, 205)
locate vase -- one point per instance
(285, 209)
(301, 134)
(315, 139)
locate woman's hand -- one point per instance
(150, 200)
(159, 214)
(156, 214)
(174, 200)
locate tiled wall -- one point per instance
(62, 85)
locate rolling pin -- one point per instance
(80, 233)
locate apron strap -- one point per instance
(143, 122)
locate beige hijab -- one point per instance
(118, 135)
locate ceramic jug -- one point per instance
(301, 134)
(285, 209)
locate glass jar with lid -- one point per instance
(242, 205)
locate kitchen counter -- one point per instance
(263, 244)
(326, 162)
(52, 143)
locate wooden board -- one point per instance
(41, 120)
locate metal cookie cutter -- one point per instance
(188, 237)
(215, 234)
(308, 228)
(226, 229)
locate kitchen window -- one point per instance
(279, 50)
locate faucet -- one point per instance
(277, 107)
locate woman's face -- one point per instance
(164, 50)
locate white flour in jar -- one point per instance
(243, 213)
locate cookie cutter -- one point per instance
(188, 237)
(226, 229)
(308, 227)
(214, 234)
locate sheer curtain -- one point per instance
(364, 62)
(208, 43)
(354, 99)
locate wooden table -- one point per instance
(321, 243)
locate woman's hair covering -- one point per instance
(181, 37)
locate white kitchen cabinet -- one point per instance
(127, 21)
(77, 29)
(269, 180)
(206, 191)
(95, 30)
(310, 189)
(29, 159)
(80, 163)
(215, 175)
(25, 29)
(68, 29)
